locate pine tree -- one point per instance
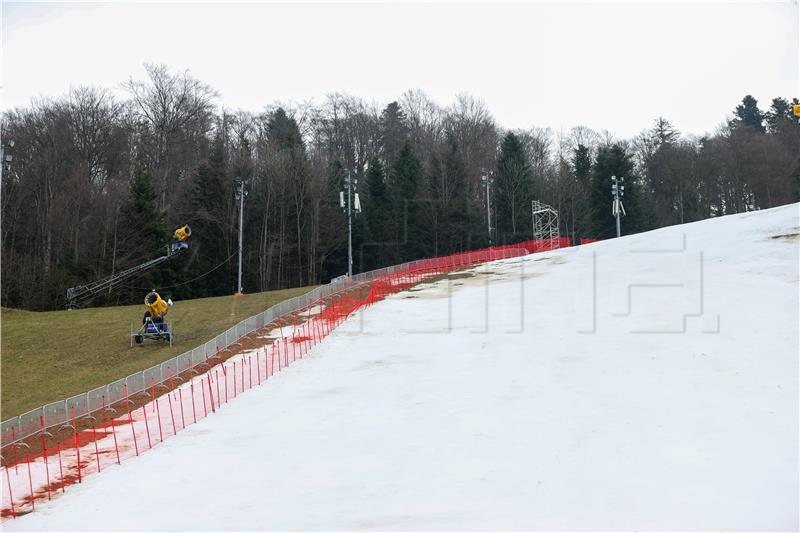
(582, 163)
(378, 218)
(615, 161)
(796, 180)
(209, 241)
(449, 215)
(458, 217)
(393, 132)
(282, 130)
(748, 114)
(582, 170)
(141, 235)
(333, 233)
(294, 171)
(514, 187)
(663, 132)
(407, 176)
(780, 116)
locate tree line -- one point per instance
(98, 183)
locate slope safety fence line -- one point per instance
(25, 427)
(95, 443)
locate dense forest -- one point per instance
(98, 183)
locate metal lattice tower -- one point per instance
(545, 224)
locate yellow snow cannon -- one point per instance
(156, 306)
(183, 233)
(153, 325)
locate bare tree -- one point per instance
(176, 111)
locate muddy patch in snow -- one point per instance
(445, 285)
(787, 237)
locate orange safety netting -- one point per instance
(42, 466)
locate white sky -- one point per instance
(613, 66)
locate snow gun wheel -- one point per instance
(138, 339)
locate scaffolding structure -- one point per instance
(545, 224)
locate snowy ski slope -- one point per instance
(649, 382)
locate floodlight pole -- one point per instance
(617, 192)
(240, 194)
(349, 183)
(351, 207)
(487, 180)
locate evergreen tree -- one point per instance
(796, 180)
(582, 163)
(663, 132)
(282, 130)
(407, 176)
(449, 215)
(613, 160)
(377, 207)
(514, 187)
(582, 171)
(333, 233)
(209, 241)
(748, 114)
(292, 169)
(459, 222)
(141, 236)
(780, 118)
(393, 132)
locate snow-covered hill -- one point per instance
(649, 382)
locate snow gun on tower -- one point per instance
(80, 295)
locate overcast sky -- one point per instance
(605, 65)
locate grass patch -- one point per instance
(46, 357)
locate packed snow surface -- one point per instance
(649, 382)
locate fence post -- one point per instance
(172, 414)
(203, 394)
(194, 412)
(30, 481)
(158, 415)
(44, 456)
(14, 449)
(96, 450)
(60, 468)
(77, 449)
(130, 421)
(210, 393)
(147, 430)
(180, 399)
(10, 495)
(216, 382)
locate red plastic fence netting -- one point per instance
(45, 466)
